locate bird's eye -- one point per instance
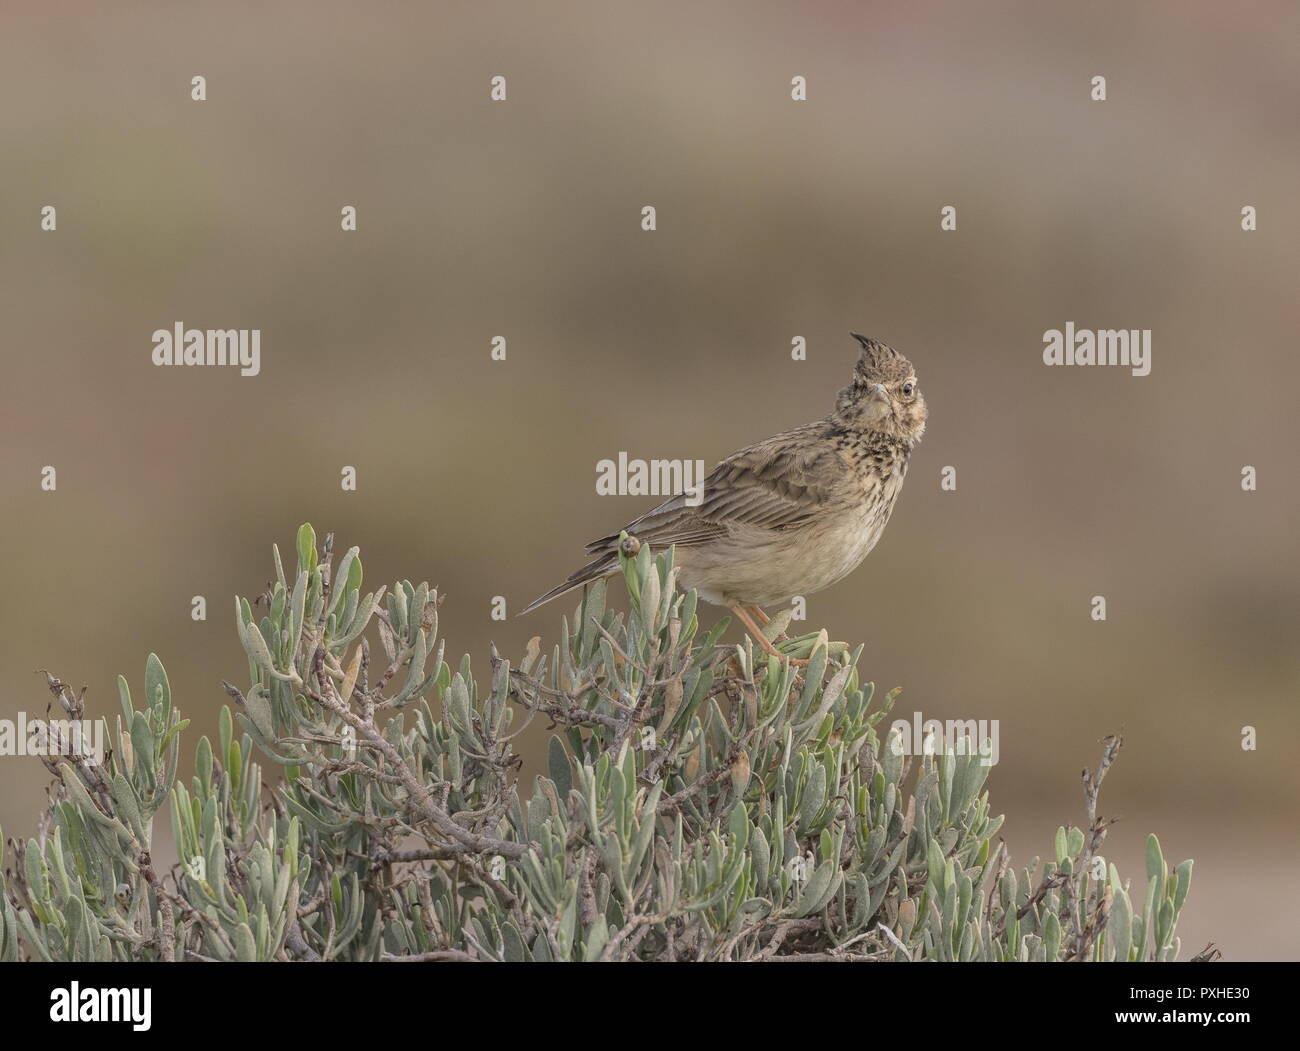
(907, 389)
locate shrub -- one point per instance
(701, 803)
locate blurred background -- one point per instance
(776, 219)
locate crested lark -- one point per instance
(792, 514)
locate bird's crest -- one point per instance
(880, 362)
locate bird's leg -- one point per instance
(754, 630)
(757, 633)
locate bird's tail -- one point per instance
(601, 567)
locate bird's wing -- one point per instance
(777, 484)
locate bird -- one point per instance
(792, 514)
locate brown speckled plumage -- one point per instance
(794, 513)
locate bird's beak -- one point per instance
(878, 392)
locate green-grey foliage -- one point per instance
(700, 802)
